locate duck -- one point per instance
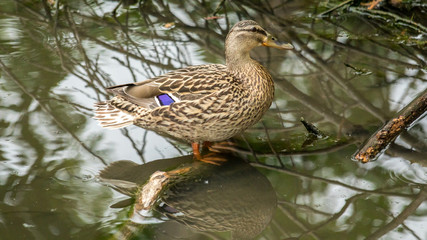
(203, 103)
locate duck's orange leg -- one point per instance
(223, 146)
(196, 151)
(210, 158)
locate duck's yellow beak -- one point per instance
(271, 41)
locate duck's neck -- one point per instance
(253, 74)
(237, 56)
(240, 62)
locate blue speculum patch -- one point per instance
(165, 99)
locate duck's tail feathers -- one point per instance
(110, 117)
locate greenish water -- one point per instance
(350, 69)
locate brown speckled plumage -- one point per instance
(212, 102)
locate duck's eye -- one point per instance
(254, 29)
(273, 38)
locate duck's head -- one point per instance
(246, 35)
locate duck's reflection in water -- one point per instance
(230, 197)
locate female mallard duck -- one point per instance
(205, 103)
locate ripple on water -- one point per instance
(409, 174)
(74, 175)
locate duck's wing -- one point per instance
(189, 83)
(184, 84)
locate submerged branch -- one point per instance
(398, 220)
(385, 135)
(395, 191)
(335, 216)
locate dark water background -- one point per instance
(351, 69)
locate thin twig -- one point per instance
(271, 145)
(302, 175)
(408, 211)
(335, 8)
(18, 82)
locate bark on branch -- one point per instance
(385, 135)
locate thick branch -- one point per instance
(385, 135)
